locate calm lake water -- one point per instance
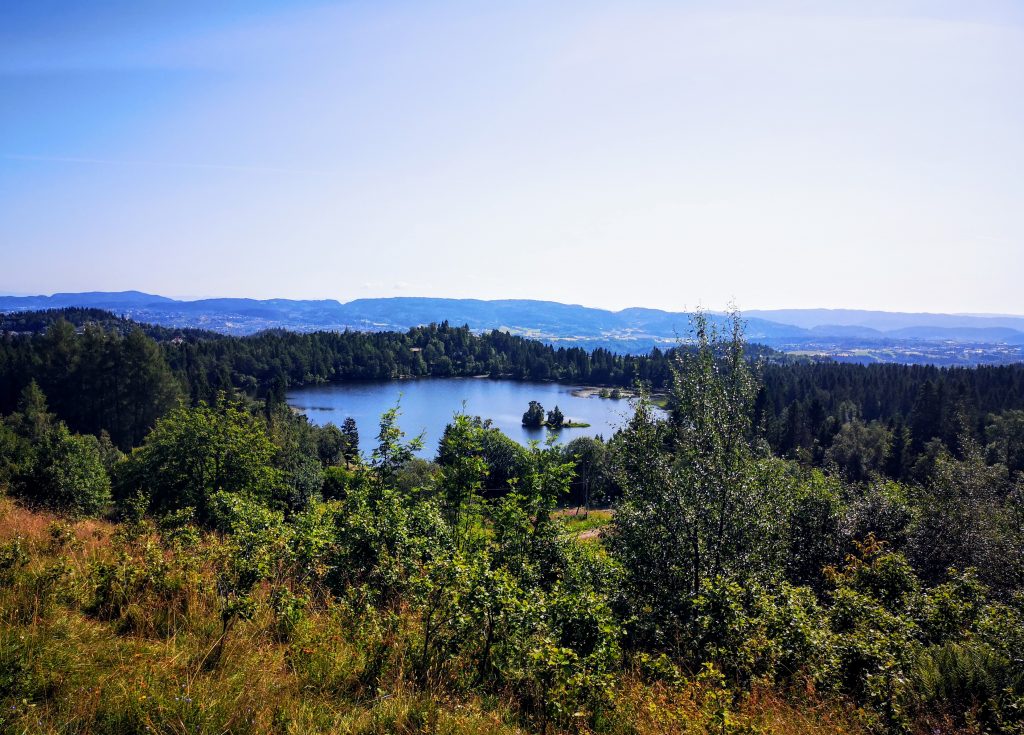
(428, 405)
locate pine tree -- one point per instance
(556, 419)
(351, 434)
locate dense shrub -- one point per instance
(193, 453)
(68, 474)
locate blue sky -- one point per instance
(665, 154)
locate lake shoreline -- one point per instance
(582, 390)
(428, 404)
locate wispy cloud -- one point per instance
(168, 164)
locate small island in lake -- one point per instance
(535, 418)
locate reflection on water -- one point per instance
(428, 405)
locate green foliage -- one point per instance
(555, 418)
(885, 512)
(440, 593)
(463, 473)
(379, 532)
(951, 610)
(872, 615)
(963, 522)
(338, 480)
(193, 453)
(754, 633)
(592, 478)
(302, 479)
(392, 451)
(33, 421)
(351, 435)
(1004, 439)
(972, 683)
(505, 458)
(47, 464)
(534, 417)
(22, 435)
(816, 528)
(698, 502)
(69, 474)
(859, 450)
(526, 537)
(100, 379)
(332, 445)
(142, 589)
(14, 556)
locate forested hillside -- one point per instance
(793, 548)
(849, 335)
(101, 372)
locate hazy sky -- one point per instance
(664, 154)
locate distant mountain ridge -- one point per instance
(842, 333)
(538, 318)
(885, 321)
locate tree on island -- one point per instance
(555, 418)
(534, 416)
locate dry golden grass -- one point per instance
(800, 715)
(35, 526)
(698, 708)
(81, 672)
(18, 521)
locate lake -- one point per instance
(428, 405)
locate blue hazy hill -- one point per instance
(823, 331)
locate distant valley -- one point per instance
(841, 334)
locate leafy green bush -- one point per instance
(67, 474)
(193, 453)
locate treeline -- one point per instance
(271, 359)
(75, 353)
(890, 419)
(104, 373)
(97, 379)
